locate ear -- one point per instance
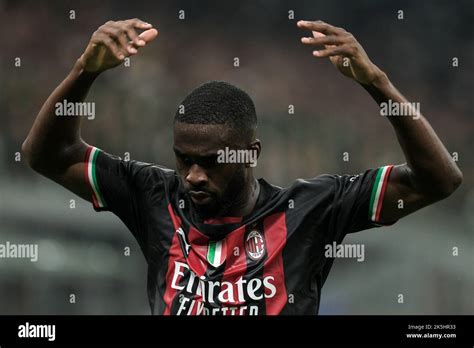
(255, 147)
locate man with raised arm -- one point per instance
(217, 240)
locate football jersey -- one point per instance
(269, 262)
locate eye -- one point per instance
(185, 160)
(209, 162)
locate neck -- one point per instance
(245, 202)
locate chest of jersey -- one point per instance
(241, 274)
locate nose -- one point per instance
(196, 176)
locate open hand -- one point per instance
(113, 42)
(343, 50)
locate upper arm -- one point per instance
(378, 197)
(66, 168)
(74, 180)
(102, 179)
(402, 196)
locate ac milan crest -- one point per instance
(255, 245)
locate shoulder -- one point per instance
(321, 187)
(319, 183)
(143, 171)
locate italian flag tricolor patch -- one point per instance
(378, 191)
(91, 177)
(216, 252)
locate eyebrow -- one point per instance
(205, 155)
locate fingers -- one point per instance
(118, 31)
(111, 44)
(125, 35)
(136, 40)
(139, 24)
(336, 41)
(148, 35)
(321, 27)
(318, 34)
(323, 40)
(344, 50)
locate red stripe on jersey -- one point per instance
(235, 263)
(95, 204)
(86, 164)
(174, 254)
(197, 262)
(382, 193)
(275, 232)
(197, 258)
(224, 220)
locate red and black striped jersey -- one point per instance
(267, 263)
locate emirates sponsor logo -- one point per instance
(255, 245)
(219, 297)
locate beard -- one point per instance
(232, 196)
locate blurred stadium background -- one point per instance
(82, 252)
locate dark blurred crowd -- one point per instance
(135, 105)
(425, 47)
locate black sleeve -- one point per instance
(121, 187)
(358, 200)
(329, 206)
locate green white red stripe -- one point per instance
(216, 253)
(91, 176)
(378, 191)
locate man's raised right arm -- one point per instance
(54, 147)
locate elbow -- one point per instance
(456, 180)
(32, 160)
(48, 161)
(450, 185)
(27, 153)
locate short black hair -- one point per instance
(218, 102)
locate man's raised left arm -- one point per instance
(429, 174)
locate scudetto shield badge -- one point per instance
(216, 252)
(255, 245)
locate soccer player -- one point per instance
(217, 240)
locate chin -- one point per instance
(205, 210)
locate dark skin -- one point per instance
(430, 174)
(216, 189)
(55, 149)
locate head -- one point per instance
(213, 119)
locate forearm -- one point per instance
(51, 136)
(432, 168)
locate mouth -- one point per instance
(200, 197)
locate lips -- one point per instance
(199, 197)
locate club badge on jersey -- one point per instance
(255, 245)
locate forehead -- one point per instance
(204, 138)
